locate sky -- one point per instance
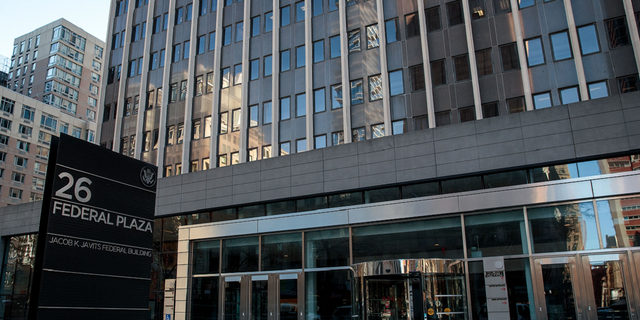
(23, 16)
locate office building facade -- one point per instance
(59, 64)
(481, 164)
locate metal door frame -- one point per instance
(582, 283)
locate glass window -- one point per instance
(483, 60)
(186, 50)
(569, 95)
(454, 10)
(337, 138)
(535, 55)
(358, 134)
(212, 40)
(336, 96)
(319, 100)
(375, 88)
(377, 131)
(391, 31)
(237, 76)
(438, 73)
(399, 127)
(588, 39)
(357, 95)
(317, 7)
(240, 255)
(396, 83)
(568, 227)
(320, 141)
(526, 3)
(327, 248)
(285, 149)
(409, 240)
(618, 222)
(478, 9)
(268, 22)
(420, 190)
(417, 77)
(503, 179)
(496, 234)
(285, 108)
(373, 38)
(301, 105)
(300, 57)
(254, 66)
(285, 60)
(285, 16)
(443, 118)
(433, 19)
(509, 55)
(226, 36)
(301, 145)
(226, 77)
(255, 26)
(628, 84)
(206, 257)
(617, 32)
(300, 11)
(542, 100)
(412, 25)
(560, 45)
(268, 64)
(515, 105)
(598, 90)
(333, 5)
(502, 6)
(490, 110)
(266, 112)
(461, 66)
(239, 31)
(354, 40)
(281, 251)
(236, 120)
(224, 122)
(467, 114)
(334, 44)
(318, 51)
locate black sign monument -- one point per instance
(95, 241)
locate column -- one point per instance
(143, 81)
(522, 55)
(308, 51)
(431, 114)
(575, 48)
(384, 72)
(106, 63)
(633, 31)
(244, 99)
(188, 106)
(473, 64)
(166, 77)
(275, 82)
(215, 99)
(344, 64)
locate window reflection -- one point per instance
(620, 222)
(560, 228)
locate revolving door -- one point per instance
(409, 290)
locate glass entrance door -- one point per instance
(391, 298)
(585, 287)
(262, 297)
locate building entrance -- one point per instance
(410, 290)
(590, 287)
(262, 297)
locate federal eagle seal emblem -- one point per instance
(148, 177)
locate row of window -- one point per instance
(25, 45)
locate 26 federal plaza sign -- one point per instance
(95, 242)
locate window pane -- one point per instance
(300, 11)
(281, 251)
(526, 3)
(412, 25)
(373, 40)
(490, 110)
(478, 9)
(541, 101)
(253, 116)
(354, 40)
(617, 32)
(254, 69)
(409, 240)
(502, 6)
(420, 190)
(240, 255)
(285, 108)
(438, 73)
(285, 59)
(560, 45)
(226, 36)
(569, 95)
(598, 90)
(206, 257)
(560, 228)
(318, 51)
(399, 127)
(357, 96)
(266, 112)
(377, 131)
(509, 54)
(515, 105)
(628, 84)
(483, 59)
(268, 22)
(358, 135)
(285, 16)
(300, 57)
(320, 142)
(301, 145)
(317, 7)
(327, 248)
(433, 19)
(417, 77)
(334, 43)
(396, 83)
(239, 31)
(301, 105)
(588, 39)
(454, 9)
(467, 114)
(535, 55)
(255, 26)
(496, 234)
(319, 100)
(375, 88)
(336, 96)
(268, 64)
(392, 32)
(615, 215)
(285, 148)
(461, 66)
(443, 118)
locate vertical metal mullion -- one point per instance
(424, 42)
(308, 44)
(350, 245)
(597, 217)
(215, 98)
(188, 105)
(524, 65)
(275, 81)
(166, 91)
(344, 60)
(473, 64)
(144, 86)
(575, 48)
(466, 265)
(244, 99)
(124, 73)
(384, 73)
(220, 284)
